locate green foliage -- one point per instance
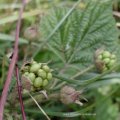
(82, 32)
(106, 110)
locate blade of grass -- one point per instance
(3, 71)
(57, 114)
(6, 38)
(9, 6)
(13, 18)
(39, 106)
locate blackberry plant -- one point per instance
(73, 39)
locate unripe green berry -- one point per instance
(26, 74)
(34, 67)
(113, 56)
(40, 64)
(33, 62)
(111, 63)
(106, 60)
(49, 76)
(38, 89)
(38, 82)
(33, 89)
(31, 76)
(45, 82)
(46, 68)
(42, 73)
(100, 57)
(105, 69)
(106, 54)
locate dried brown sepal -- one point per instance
(31, 33)
(99, 63)
(26, 83)
(25, 64)
(97, 53)
(69, 95)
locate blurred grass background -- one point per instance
(34, 11)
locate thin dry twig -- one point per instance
(118, 24)
(19, 92)
(116, 13)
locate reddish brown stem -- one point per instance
(19, 87)
(12, 64)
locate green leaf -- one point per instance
(58, 114)
(106, 110)
(82, 32)
(56, 27)
(103, 83)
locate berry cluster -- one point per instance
(105, 61)
(39, 74)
